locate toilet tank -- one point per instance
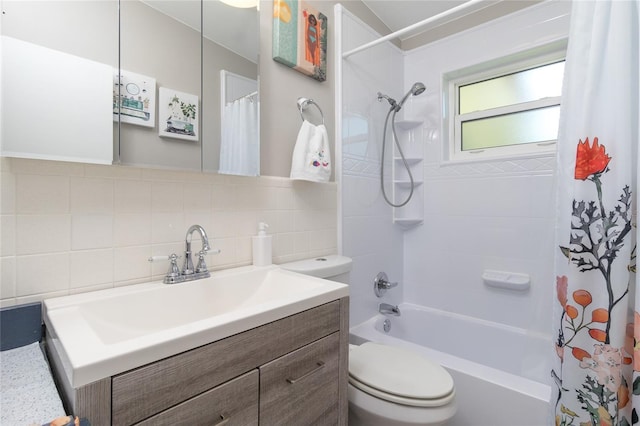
(333, 267)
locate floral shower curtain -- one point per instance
(596, 321)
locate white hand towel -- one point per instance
(311, 156)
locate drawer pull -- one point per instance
(319, 364)
(223, 421)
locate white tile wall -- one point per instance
(68, 227)
(40, 194)
(42, 233)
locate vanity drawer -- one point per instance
(234, 403)
(141, 393)
(301, 387)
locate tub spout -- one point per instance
(387, 309)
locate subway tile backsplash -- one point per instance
(67, 227)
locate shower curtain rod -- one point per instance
(413, 27)
(250, 95)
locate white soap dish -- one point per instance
(506, 280)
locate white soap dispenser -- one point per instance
(262, 246)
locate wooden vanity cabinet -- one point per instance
(300, 388)
(234, 403)
(292, 371)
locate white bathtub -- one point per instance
(501, 373)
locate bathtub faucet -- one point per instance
(387, 309)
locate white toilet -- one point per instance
(388, 386)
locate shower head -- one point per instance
(415, 90)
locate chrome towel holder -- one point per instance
(303, 103)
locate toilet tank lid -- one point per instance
(321, 267)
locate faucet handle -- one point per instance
(202, 265)
(172, 257)
(174, 271)
(381, 284)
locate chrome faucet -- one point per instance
(387, 309)
(188, 273)
(187, 268)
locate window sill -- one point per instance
(496, 158)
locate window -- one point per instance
(355, 135)
(506, 109)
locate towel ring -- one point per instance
(303, 103)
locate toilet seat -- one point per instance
(399, 376)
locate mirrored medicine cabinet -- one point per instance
(157, 83)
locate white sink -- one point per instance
(103, 333)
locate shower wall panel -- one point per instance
(368, 235)
(481, 215)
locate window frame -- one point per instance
(511, 64)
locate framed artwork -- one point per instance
(134, 98)
(178, 114)
(300, 37)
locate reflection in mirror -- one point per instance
(240, 139)
(231, 133)
(56, 58)
(160, 71)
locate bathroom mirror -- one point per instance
(181, 47)
(58, 59)
(167, 94)
(160, 62)
(231, 133)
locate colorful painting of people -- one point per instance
(312, 39)
(300, 37)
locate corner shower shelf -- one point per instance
(408, 223)
(408, 124)
(407, 183)
(410, 136)
(410, 160)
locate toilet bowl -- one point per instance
(393, 386)
(388, 386)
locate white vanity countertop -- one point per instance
(103, 333)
